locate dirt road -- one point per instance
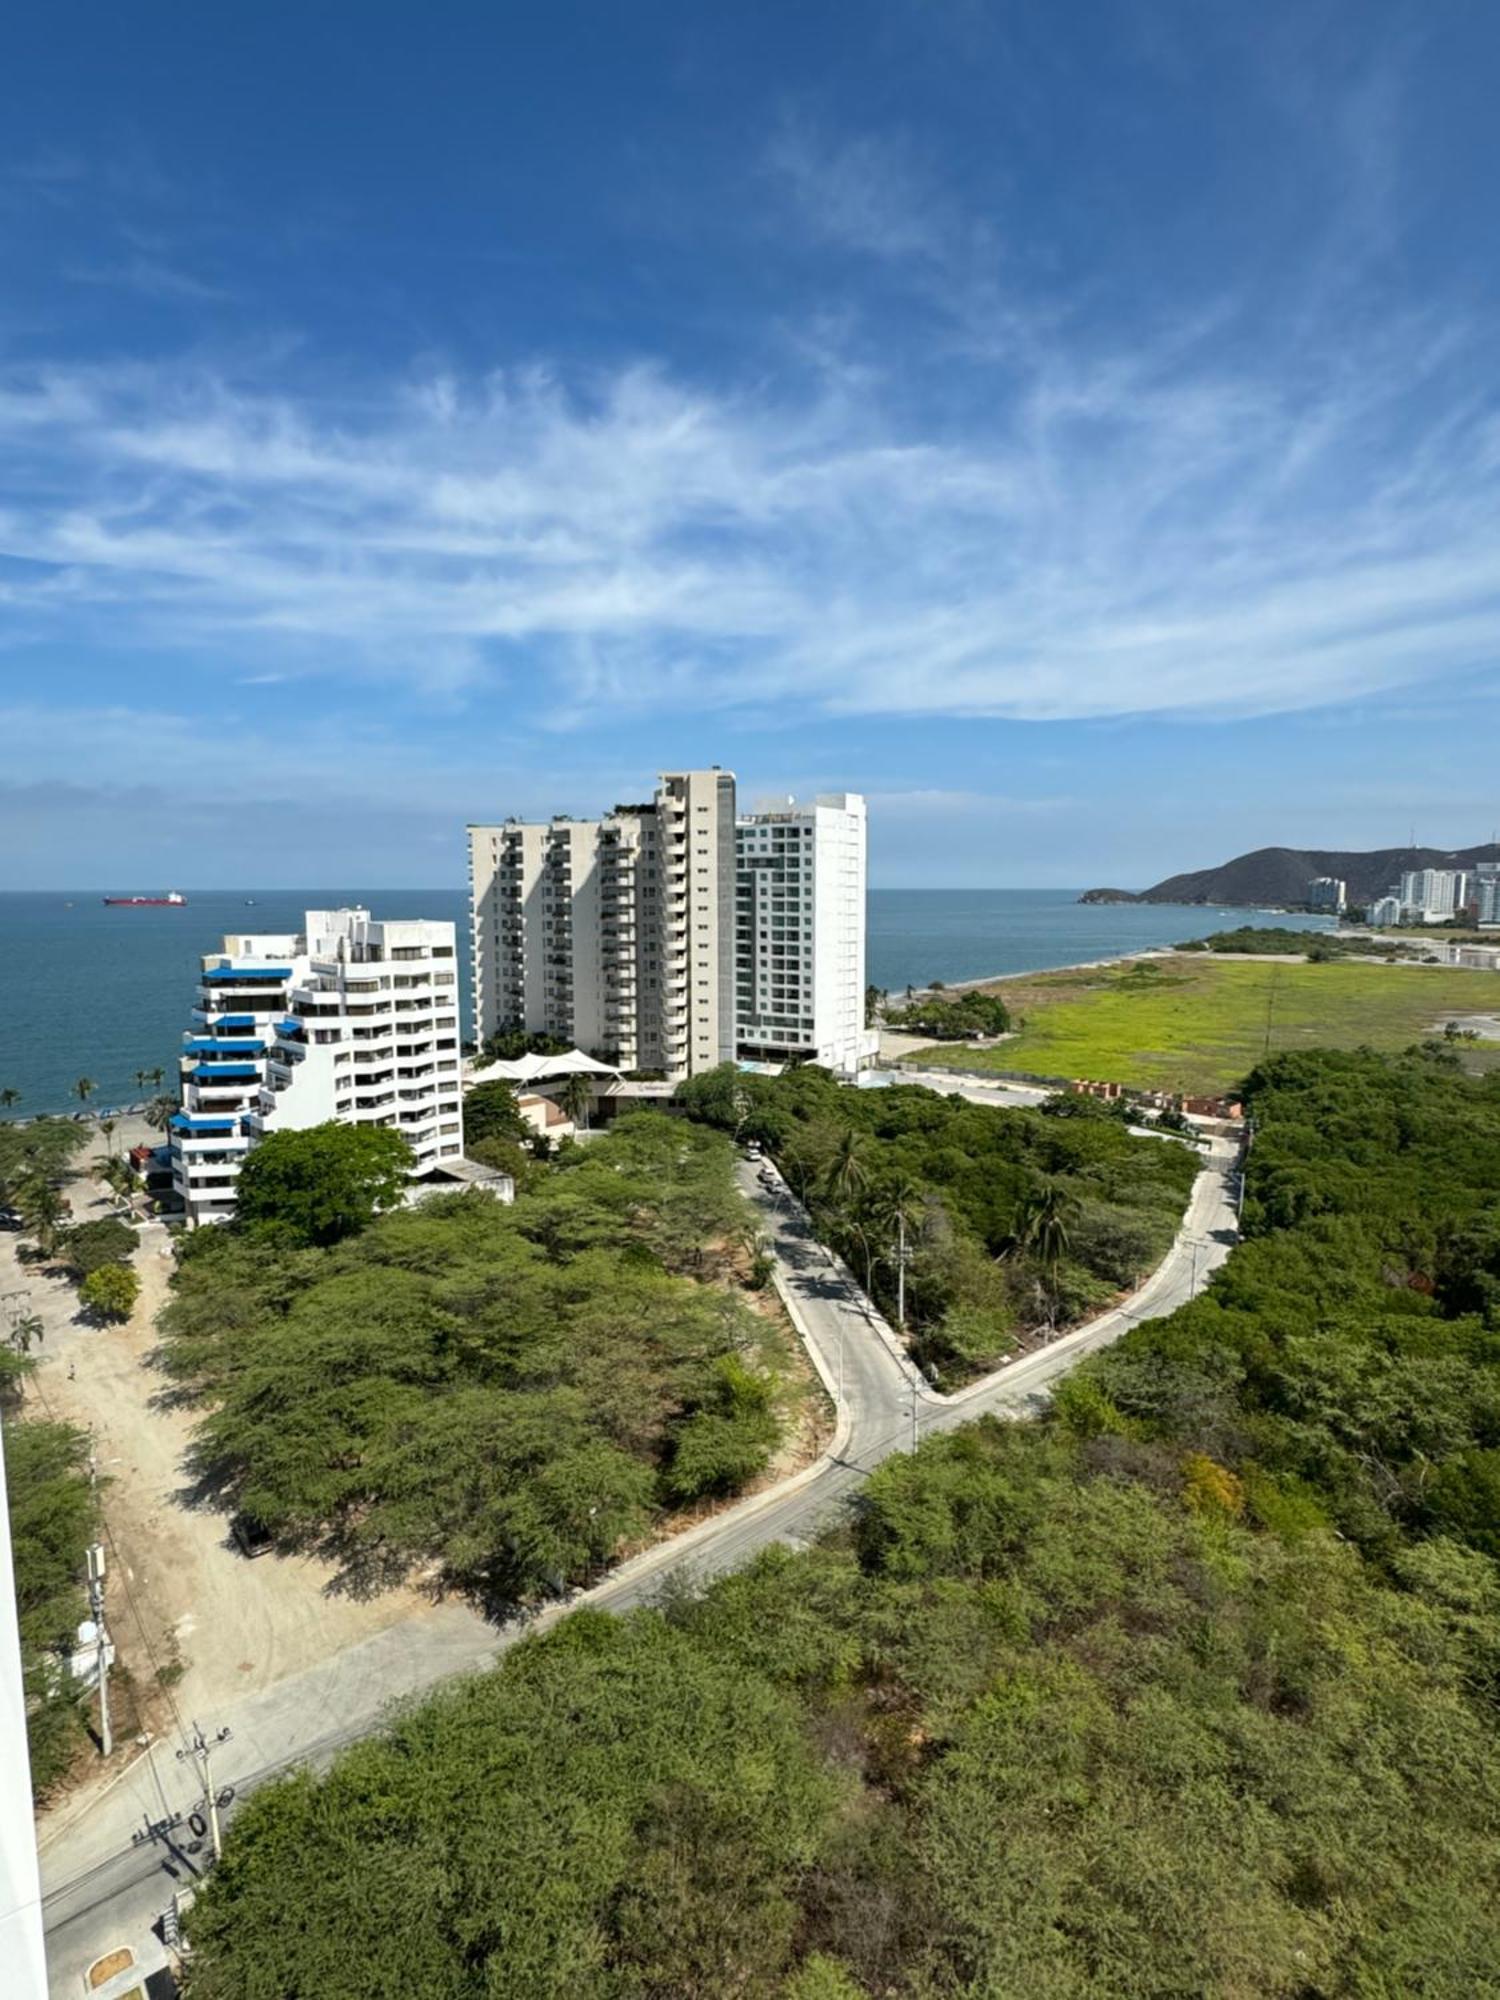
(180, 1595)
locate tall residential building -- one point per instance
(615, 934)
(800, 934)
(352, 1019)
(1429, 895)
(1327, 892)
(1486, 893)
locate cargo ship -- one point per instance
(171, 900)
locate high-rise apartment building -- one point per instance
(1429, 895)
(800, 934)
(615, 934)
(352, 1019)
(1327, 892)
(1485, 890)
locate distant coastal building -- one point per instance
(800, 934)
(617, 934)
(1486, 893)
(1432, 895)
(353, 1020)
(1385, 910)
(1327, 892)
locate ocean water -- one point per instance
(90, 991)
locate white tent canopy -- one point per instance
(544, 1069)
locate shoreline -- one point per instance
(1037, 972)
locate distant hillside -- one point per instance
(1280, 875)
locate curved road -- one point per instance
(104, 1882)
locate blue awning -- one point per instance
(223, 1072)
(235, 1021)
(223, 975)
(200, 1045)
(200, 1128)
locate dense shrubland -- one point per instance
(1015, 1220)
(508, 1394)
(1188, 1690)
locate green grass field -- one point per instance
(1201, 1023)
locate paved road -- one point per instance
(99, 1887)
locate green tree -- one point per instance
(84, 1088)
(159, 1112)
(92, 1244)
(320, 1185)
(44, 1211)
(52, 1521)
(490, 1113)
(9, 1097)
(577, 1099)
(111, 1290)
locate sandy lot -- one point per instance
(179, 1591)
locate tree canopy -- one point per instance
(323, 1184)
(511, 1393)
(1188, 1689)
(966, 1176)
(952, 1017)
(52, 1521)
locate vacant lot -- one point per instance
(1200, 1023)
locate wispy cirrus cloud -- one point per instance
(1120, 535)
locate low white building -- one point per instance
(353, 1020)
(799, 955)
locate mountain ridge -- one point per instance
(1280, 875)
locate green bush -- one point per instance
(111, 1290)
(94, 1244)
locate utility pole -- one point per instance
(901, 1269)
(101, 1639)
(201, 1750)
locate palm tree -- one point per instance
(847, 1175)
(84, 1089)
(142, 1078)
(107, 1129)
(577, 1098)
(159, 1111)
(155, 1076)
(8, 1097)
(26, 1328)
(44, 1211)
(903, 1204)
(1042, 1232)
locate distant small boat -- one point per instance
(173, 899)
(249, 902)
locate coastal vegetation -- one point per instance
(1012, 1221)
(1318, 947)
(951, 1017)
(317, 1186)
(1186, 1689)
(53, 1518)
(505, 1395)
(1197, 1022)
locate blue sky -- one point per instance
(1073, 425)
